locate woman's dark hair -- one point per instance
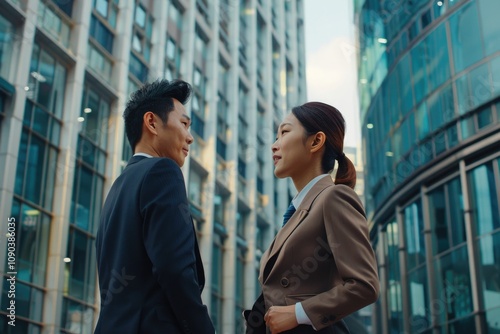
(317, 116)
(156, 97)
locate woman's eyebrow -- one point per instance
(283, 124)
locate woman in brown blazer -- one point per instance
(321, 266)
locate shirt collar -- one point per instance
(297, 200)
(143, 155)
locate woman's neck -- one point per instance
(300, 181)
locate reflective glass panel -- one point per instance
(489, 252)
(453, 286)
(484, 198)
(414, 226)
(419, 305)
(465, 37)
(488, 10)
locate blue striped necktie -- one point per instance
(289, 212)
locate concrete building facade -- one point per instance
(66, 70)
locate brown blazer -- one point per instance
(322, 257)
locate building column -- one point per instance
(65, 169)
(473, 254)
(121, 54)
(405, 298)
(12, 124)
(382, 266)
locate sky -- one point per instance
(331, 60)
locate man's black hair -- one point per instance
(156, 97)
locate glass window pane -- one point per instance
(28, 304)
(439, 220)
(414, 227)
(463, 94)
(42, 246)
(435, 110)
(453, 284)
(456, 207)
(170, 49)
(83, 206)
(137, 68)
(495, 76)
(76, 317)
(90, 111)
(50, 177)
(418, 65)
(394, 297)
(447, 103)
(452, 136)
(497, 107)
(489, 250)
(78, 254)
(21, 164)
(440, 142)
(58, 90)
(438, 63)
(422, 121)
(484, 198)
(44, 79)
(465, 37)
(41, 122)
(418, 295)
(136, 43)
(484, 118)
(140, 16)
(97, 202)
(6, 46)
(480, 83)
(467, 127)
(101, 34)
(66, 6)
(488, 10)
(35, 168)
(102, 7)
(32, 235)
(492, 317)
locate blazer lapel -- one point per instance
(292, 224)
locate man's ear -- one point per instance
(318, 141)
(150, 122)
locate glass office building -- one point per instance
(429, 82)
(66, 70)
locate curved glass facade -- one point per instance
(429, 82)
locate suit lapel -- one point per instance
(292, 224)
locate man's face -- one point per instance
(174, 137)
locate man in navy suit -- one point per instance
(150, 271)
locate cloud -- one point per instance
(332, 78)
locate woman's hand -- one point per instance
(281, 318)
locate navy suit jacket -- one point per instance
(150, 270)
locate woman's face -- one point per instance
(290, 154)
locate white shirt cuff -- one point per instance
(300, 314)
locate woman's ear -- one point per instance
(318, 142)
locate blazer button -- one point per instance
(284, 282)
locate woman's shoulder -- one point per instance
(341, 193)
(340, 190)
